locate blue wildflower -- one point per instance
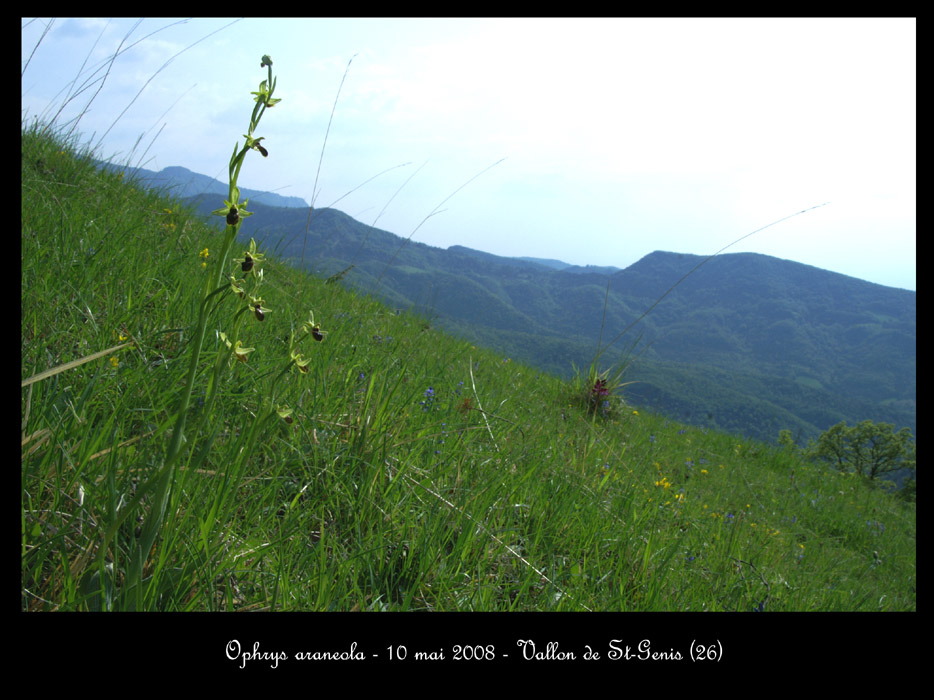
(429, 399)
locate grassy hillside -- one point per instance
(362, 460)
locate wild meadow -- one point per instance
(205, 428)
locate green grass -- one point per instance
(414, 472)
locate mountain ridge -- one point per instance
(182, 183)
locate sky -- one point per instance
(592, 141)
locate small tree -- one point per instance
(870, 449)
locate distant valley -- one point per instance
(748, 343)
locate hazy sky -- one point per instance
(620, 136)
